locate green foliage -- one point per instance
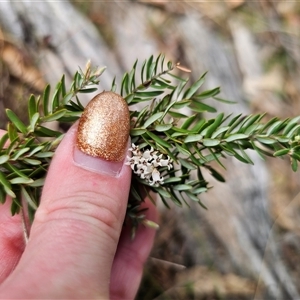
(166, 114)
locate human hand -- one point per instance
(78, 246)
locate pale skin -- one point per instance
(78, 246)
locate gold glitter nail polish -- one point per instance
(104, 127)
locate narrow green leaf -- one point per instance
(132, 76)
(44, 154)
(158, 140)
(162, 127)
(143, 71)
(290, 125)
(152, 119)
(187, 164)
(15, 206)
(28, 142)
(210, 142)
(21, 180)
(265, 140)
(12, 145)
(275, 128)
(162, 61)
(239, 157)
(176, 115)
(45, 99)
(76, 80)
(3, 159)
(212, 128)
(137, 131)
(292, 131)
(12, 132)
(185, 131)
(208, 94)
(295, 155)
(6, 185)
(177, 134)
(88, 90)
(114, 85)
(163, 192)
(193, 138)
(67, 98)
(216, 157)
(219, 131)
(19, 153)
(170, 65)
(224, 100)
(32, 106)
(162, 84)
(216, 174)
(261, 152)
(283, 139)
(15, 170)
(234, 123)
(182, 187)
(248, 121)
(177, 77)
(46, 132)
(164, 202)
(63, 86)
(182, 150)
(72, 107)
(124, 85)
(70, 116)
(156, 63)
(191, 196)
(32, 162)
(129, 98)
(55, 99)
(245, 155)
(235, 137)
(28, 198)
(199, 190)
(294, 164)
(149, 94)
(252, 129)
(34, 120)
(3, 140)
(55, 116)
(281, 152)
(149, 67)
(16, 121)
(172, 180)
(2, 195)
(177, 92)
(194, 159)
(202, 205)
(268, 124)
(134, 193)
(187, 123)
(190, 92)
(202, 107)
(37, 183)
(181, 104)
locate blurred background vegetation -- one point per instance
(247, 245)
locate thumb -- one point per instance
(76, 229)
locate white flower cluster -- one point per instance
(146, 164)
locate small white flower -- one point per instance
(135, 150)
(148, 153)
(156, 178)
(166, 163)
(146, 164)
